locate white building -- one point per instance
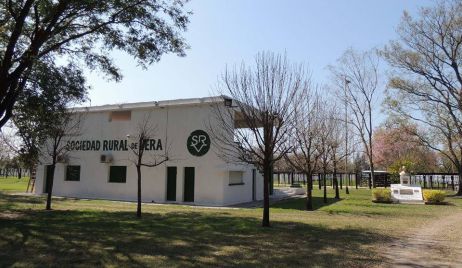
(99, 164)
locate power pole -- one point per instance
(346, 131)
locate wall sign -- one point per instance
(113, 145)
(198, 143)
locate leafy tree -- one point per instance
(42, 117)
(70, 34)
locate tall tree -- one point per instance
(426, 85)
(337, 151)
(356, 75)
(254, 127)
(304, 154)
(41, 114)
(77, 33)
(54, 149)
(324, 148)
(143, 156)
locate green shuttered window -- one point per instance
(118, 174)
(73, 173)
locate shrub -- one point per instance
(434, 196)
(381, 195)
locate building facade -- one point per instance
(100, 159)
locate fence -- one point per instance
(298, 178)
(448, 181)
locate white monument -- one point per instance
(405, 192)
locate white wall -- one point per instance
(173, 126)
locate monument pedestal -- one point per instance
(405, 192)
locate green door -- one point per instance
(171, 183)
(48, 173)
(188, 184)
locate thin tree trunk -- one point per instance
(319, 181)
(459, 191)
(138, 207)
(266, 180)
(309, 193)
(325, 187)
(371, 163)
(50, 186)
(337, 192)
(356, 180)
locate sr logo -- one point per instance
(198, 143)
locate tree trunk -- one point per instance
(138, 207)
(337, 192)
(309, 193)
(459, 191)
(356, 180)
(372, 174)
(325, 187)
(266, 181)
(347, 191)
(319, 181)
(50, 186)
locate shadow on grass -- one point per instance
(300, 203)
(11, 201)
(185, 238)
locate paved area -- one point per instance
(438, 244)
(273, 199)
(280, 194)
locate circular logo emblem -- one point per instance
(198, 143)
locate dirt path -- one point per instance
(438, 244)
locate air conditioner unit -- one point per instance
(62, 159)
(105, 158)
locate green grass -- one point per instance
(13, 184)
(350, 232)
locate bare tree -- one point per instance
(60, 127)
(304, 154)
(324, 150)
(24, 145)
(356, 75)
(337, 151)
(253, 128)
(145, 133)
(426, 87)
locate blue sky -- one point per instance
(229, 32)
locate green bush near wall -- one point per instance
(381, 195)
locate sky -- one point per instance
(228, 32)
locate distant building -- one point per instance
(98, 164)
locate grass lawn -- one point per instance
(351, 232)
(13, 184)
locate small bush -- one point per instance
(434, 196)
(381, 195)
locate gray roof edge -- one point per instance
(150, 104)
